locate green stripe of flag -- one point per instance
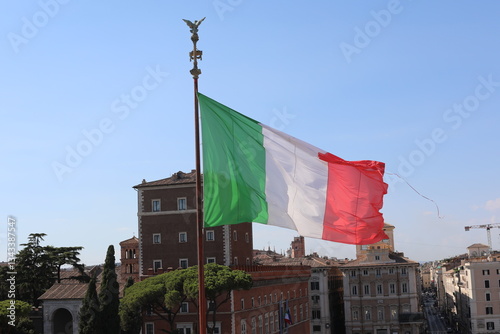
(234, 159)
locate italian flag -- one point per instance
(254, 173)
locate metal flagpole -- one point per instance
(195, 72)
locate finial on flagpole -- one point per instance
(195, 54)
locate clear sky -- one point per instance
(96, 96)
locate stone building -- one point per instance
(382, 290)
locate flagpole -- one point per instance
(195, 72)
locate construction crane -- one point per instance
(488, 227)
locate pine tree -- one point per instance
(89, 310)
(109, 321)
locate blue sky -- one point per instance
(96, 96)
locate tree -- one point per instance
(109, 320)
(165, 293)
(134, 317)
(219, 282)
(38, 267)
(151, 294)
(14, 317)
(88, 311)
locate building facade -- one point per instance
(168, 229)
(382, 291)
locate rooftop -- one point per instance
(176, 178)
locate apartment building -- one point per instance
(382, 290)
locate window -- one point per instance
(210, 235)
(247, 237)
(391, 270)
(157, 238)
(181, 203)
(486, 283)
(276, 320)
(210, 305)
(355, 315)
(184, 328)
(368, 315)
(183, 263)
(254, 326)
(392, 288)
(253, 302)
(236, 260)
(260, 301)
(242, 303)
(260, 324)
(184, 308)
(156, 204)
(315, 299)
(366, 289)
(380, 314)
(353, 273)
(243, 326)
(488, 297)
(183, 237)
(378, 272)
(489, 310)
(498, 271)
(301, 312)
(490, 325)
(266, 323)
(379, 289)
(247, 261)
(295, 312)
(235, 235)
(486, 272)
(316, 328)
(377, 257)
(157, 265)
(404, 287)
(150, 328)
(394, 313)
(271, 316)
(354, 290)
(211, 260)
(314, 285)
(316, 314)
(365, 272)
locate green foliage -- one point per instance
(89, 310)
(38, 267)
(19, 317)
(109, 320)
(165, 293)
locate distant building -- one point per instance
(382, 290)
(325, 285)
(129, 251)
(472, 294)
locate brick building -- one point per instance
(168, 240)
(168, 230)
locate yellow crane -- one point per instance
(488, 227)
